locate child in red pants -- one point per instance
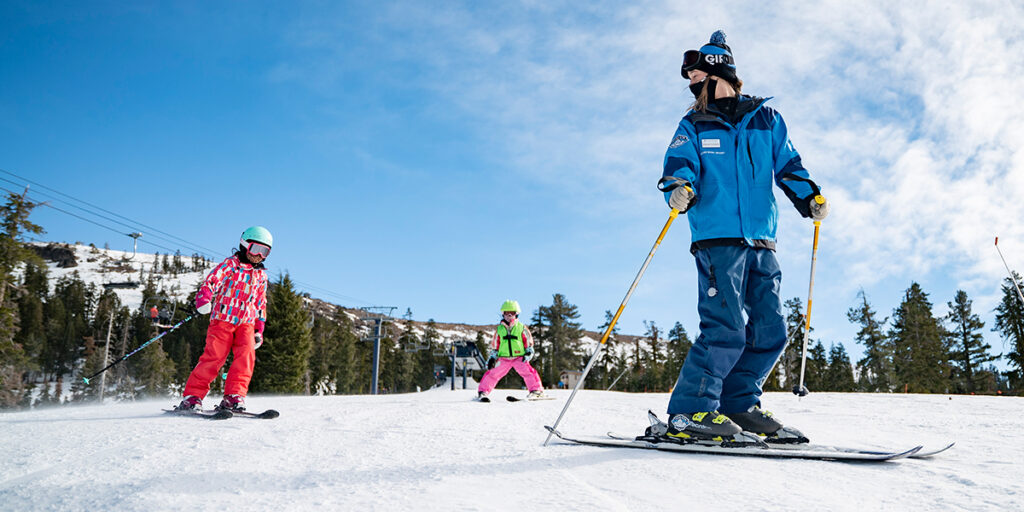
(236, 293)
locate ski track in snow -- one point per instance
(441, 450)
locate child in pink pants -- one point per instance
(511, 349)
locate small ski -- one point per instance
(268, 414)
(206, 415)
(512, 398)
(748, 451)
(920, 454)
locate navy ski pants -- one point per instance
(742, 331)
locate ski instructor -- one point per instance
(719, 169)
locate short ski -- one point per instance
(206, 415)
(748, 451)
(920, 454)
(268, 414)
(512, 398)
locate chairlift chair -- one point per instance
(166, 309)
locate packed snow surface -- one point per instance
(440, 450)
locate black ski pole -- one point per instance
(126, 356)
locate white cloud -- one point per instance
(908, 114)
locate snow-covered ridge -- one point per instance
(123, 272)
(118, 270)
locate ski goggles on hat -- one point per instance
(690, 60)
(258, 249)
(707, 58)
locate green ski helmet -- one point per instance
(257, 234)
(510, 305)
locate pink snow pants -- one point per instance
(523, 368)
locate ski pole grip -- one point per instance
(670, 183)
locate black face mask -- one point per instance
(696, 88)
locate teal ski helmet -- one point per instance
(257, 234)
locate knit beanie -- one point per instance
(714, 58)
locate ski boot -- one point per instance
(711, 428)
(233, 403)
(537, 393)
(483, 396)
(760, 422)
(190, 403)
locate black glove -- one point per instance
(491, 361)
(529, 355)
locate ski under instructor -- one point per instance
(719, 169)
(235, 292)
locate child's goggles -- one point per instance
(258, 249)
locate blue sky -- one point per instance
(446, 156)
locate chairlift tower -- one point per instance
(376, 314)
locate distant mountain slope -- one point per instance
(176, 277)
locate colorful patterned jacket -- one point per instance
(238, 291)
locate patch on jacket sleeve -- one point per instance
(678, 141)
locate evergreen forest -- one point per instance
(53, 333)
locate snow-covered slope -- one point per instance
(438, 450)
(108, 267)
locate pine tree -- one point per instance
(876, 367)
(558, 338)
(792, 356)
(283, 360)
(68, 315)
(13, 360)
(151, 370)
(323, 343)
(920, 355)
(343, 365)
(968, 350)
(481, 345)
(31, 334)
(1010, 325)
(651, 359)
(426, 361)
(409, 340)
(677, 348)
(839, 375)
(601, 373)
(815, 374)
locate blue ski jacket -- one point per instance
(731, 169)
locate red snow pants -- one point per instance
(221, 338)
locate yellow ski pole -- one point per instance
(800, 389)
(604, 338)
